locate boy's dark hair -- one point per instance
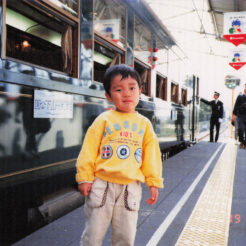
(124, 71)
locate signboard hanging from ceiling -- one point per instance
(237, 58)
(234, 29)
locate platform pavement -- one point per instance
(180, 171)
(237, 235)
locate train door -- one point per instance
(193, 108)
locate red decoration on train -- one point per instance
(153, 58)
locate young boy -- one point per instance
(120, 151)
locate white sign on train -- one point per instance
(49, 104)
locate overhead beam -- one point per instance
(211, 10)
(236, 5)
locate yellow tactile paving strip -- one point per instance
(209, 222)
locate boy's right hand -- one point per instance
(85, 188)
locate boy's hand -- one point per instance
(85, 188)
(154, 195)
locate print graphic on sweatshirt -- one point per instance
(127, 126)
(123, 151)
(107, 152)
(138, 155)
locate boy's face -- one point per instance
(124, 93)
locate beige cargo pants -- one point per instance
(111, 203)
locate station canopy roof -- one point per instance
(196, 25)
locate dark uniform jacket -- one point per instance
(217, 108)
(240, 106)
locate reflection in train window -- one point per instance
(38, 38)
(142, 41)
(110, 20)
(184, 96)
(104, 57)
(161, 87)
(174, 93)
(161, 55)
(144, 72)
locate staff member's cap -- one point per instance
(217, 93)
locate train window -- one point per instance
(40, 38)
(174, 93)
(161, 87)
(110, 20)
(144, 72)
(142, 52)
(160, 56)
(104, 57)
(142, 41)
(184, 96)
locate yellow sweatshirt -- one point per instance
(120, 148)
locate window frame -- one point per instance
(108, 44)
(148, 69)
(184, 96)
(47, 8)
(164, 86)
(175, 98)
(142, 63)
(47, 5)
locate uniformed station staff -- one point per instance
(216, 116)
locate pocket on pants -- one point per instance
(98, 194)
(132, 196)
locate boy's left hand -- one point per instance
(154, 195)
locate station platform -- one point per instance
(203, 203)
